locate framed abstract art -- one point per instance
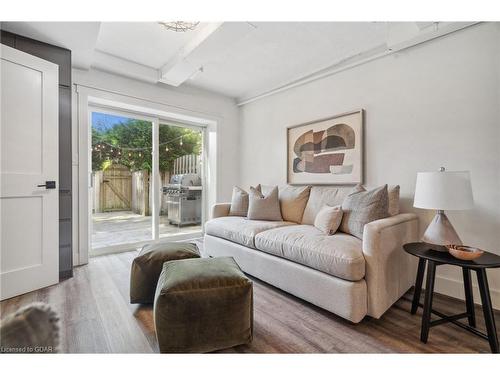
(327, 151)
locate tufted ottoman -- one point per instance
(147, 266)
(202, 305)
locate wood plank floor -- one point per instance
(96, 317)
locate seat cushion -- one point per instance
(239, 229)
(340, 255)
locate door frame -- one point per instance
(88, 100)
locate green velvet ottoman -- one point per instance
(202, 305)
(147, 266)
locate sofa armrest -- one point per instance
(220, 209)
(390, 271)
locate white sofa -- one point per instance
(340, 273)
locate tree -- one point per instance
(130, 144)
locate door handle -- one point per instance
(48, 185)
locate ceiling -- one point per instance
(237, 59)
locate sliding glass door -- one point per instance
(181, 175)
(147, 180)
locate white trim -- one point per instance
(104, 100)
(155, 173)
(360, 59)
(136, 245)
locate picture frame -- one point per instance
(327, 151)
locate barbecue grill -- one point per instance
(183, 199)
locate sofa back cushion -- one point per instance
(264, 207)
(361, 207)
(321, 196)
(239, 202)
(293, 200)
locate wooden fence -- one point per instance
(187, 164)
(112, 189)
(119, 189)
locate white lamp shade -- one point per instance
(443, 190)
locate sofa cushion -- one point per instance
(239, 229)
(321, 196)
(264, 207)
(340, 255)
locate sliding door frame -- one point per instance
(156, 122)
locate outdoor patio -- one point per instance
(124, 227)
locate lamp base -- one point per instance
(440, 232)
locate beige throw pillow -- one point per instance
(328, 219)
(362, 207)
(262, 207)
(293, 200)
(239, 202)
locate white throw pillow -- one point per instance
(328, 219)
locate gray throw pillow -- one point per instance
(362, 207)
(239, 202)
(328, 219)
(393, 193)
(262, 207)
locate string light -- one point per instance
(116, 151)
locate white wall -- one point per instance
(221, 113)
(437, 104)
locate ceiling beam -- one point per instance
(179, 69)
(391, 47)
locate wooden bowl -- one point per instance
(464, 252)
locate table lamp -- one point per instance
(443, 190)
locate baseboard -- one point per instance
(455, 288)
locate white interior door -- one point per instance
(29, 253)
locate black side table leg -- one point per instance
(489, 318)
(418, 285)
(469, 297)
(429, 291)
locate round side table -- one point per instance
(435, 258)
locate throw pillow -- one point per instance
(239, 202)
(361, 207)
(392, 192)
(262, 207)
(293, 200)
(328, 219)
